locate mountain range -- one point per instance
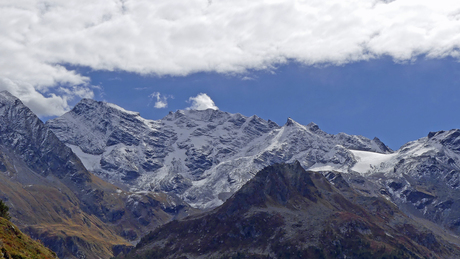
(202, 156)
(206, 156)
(93, 181)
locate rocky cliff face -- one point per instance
(287, 212)
(202, 156)
(54, 198)
(24, 134)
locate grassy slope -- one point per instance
(53, 214)
(47, 209)
(15, 244)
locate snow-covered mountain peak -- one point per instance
(101, 124)
(290, 122)
(190, 118)
(86, 105)
(292, 125)
(435, 143)
(24, 134)
(449, 139)
(7, 97)
(16, 118)
(209, 115)
(380, 145)
(10, 106)
(312, 127)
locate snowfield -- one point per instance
(369, 162)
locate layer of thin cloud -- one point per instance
(161, 101)
(179, 37)
(202, 102)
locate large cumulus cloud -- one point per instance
(179, 37)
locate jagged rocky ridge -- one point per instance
(287, 212)
(52, 197)
(202, 156)
(422, 177)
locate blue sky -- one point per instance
(397, 102)
(385, 68)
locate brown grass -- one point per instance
(16, 244)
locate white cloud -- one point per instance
(202, 102)
(178, 37)
(44, 106)
(161, 101)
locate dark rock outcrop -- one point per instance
(287, 212)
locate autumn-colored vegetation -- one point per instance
(15, 244)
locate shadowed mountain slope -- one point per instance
(287, 212)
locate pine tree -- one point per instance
(4, 211)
